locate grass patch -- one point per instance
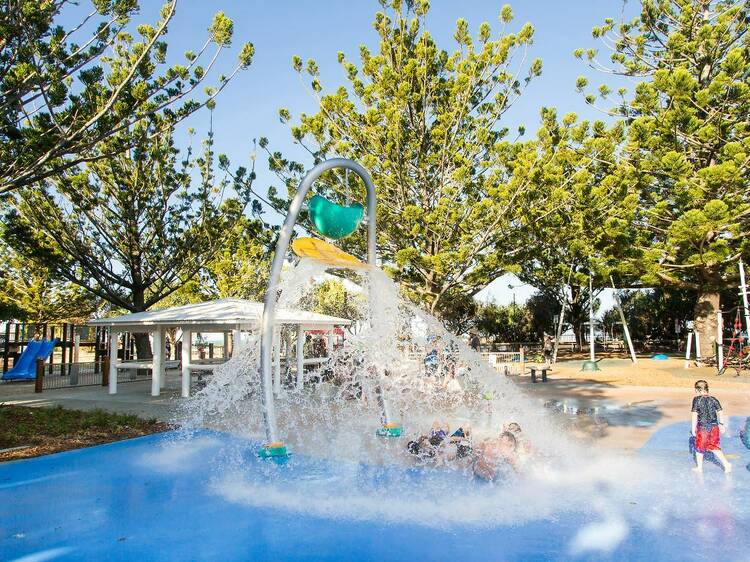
(41, 431)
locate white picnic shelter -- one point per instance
(229, 316)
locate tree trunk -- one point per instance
(142, 343)
(705, 324)
(142, 347)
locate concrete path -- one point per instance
(131, 398)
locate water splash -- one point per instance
(340, 468)
(337, 412)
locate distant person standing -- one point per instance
(547, 348)
(474, 342)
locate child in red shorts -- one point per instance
(707, 425)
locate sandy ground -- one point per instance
(623, 404)
(647, 372)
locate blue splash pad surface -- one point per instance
(120, 502)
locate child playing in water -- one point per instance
(707, 425)
(495, 454)
(745, 434)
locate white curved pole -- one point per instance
(285, 235)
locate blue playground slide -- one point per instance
(24, 367)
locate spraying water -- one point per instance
(341, 469)
(383, 358)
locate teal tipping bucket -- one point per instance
(333, 220)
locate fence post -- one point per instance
(97, 350)
(63, 349)
(39, 381)
(105, 371)
(522, 351)
(6, 347)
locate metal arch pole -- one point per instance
(285, 236)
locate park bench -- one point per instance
(543, 371)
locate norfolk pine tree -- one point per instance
(586, 223)
(688, 141)
(427, 123)
(64, 91)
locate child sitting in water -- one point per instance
(523, 449)
(707, 425)
(439, 443)
(495, 454)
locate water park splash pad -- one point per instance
(268, 469)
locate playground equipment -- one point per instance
(333, 221)
(25, 367)
(735, 355)
(592, 363)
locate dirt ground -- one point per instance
(647, 372)
(29, 432)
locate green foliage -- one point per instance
(586, 224)
(135, 227)
(238, 269)
(426, 123)
(517, 323)
(505, 323)
(653, 313)
(30, 292)
(543, 307)
(62, 92)
(55, 429)
(331, 297)
(688, 136)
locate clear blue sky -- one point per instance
(248, 108)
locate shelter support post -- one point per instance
(236, 335)
(157, 363)
(330, 341)
(114, 336)
(187, 338)
(300, 356)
